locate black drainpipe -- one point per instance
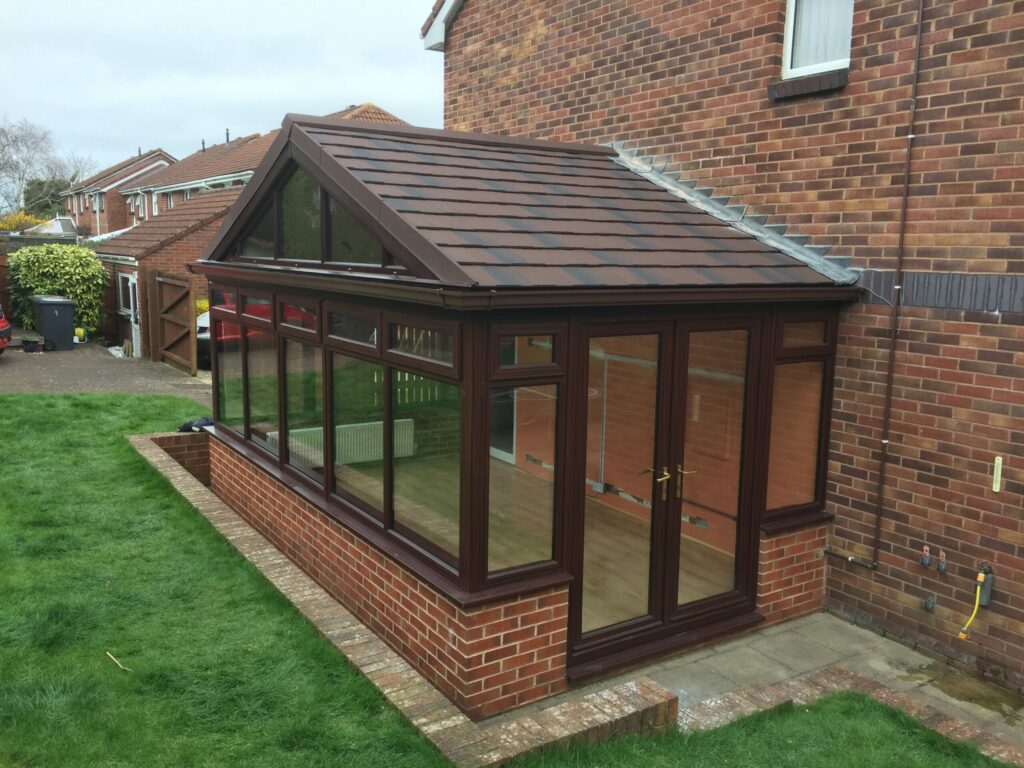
(894, 316)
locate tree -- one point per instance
(31, 166)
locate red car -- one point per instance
(5, 331)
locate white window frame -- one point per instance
(787, 50)
(168, 200)
(123, 289)
(156, 209)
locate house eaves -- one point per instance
(436, 25)
(208, 183)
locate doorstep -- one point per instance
(637, 705)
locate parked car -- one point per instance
(203, 341)
(5, 331)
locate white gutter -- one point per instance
(208, 183)
(433, 38)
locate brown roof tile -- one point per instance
(237, 156)
(170, 225)
(368, 112)
(511, 213)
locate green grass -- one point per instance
(99, 554)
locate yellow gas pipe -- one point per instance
(977, 602)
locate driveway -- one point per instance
(91, 368)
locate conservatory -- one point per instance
(530, 410)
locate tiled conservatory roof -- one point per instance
(513, 213)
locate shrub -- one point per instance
(58, 270)
(17, 221)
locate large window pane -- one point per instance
(350, 241)
(358, 397)
(622, 389)
(426, 440)
(821, 31)
(522, 474)
(303, 389)
(716, 386)
(229, 374)
(262, 359)
(300, 218)
(796, 425)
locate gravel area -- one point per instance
(91, 368)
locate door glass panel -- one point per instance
(262, 383)
(716, 384)
(304, 404)
(622, 395)
(358, 392)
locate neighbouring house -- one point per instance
(216, 166)
(511, 401)
(95, 204)
(163, 245)
(890, 135)
(59, 226)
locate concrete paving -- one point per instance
(790, 651)
(92, 368)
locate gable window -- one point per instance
(300, 218)
(817, 37)
(350, 242)
(259, 243)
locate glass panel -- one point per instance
(355, 328)
(430, 343)
(522, 475)
(299, 315)
(229, 374)
(358, 398)
(803, 334)
(300, 218)
(262, 383)
(350, 241)
(622, 395)
(304, 404)
(716, 385)
(221, 299)
(426, 467)
(526, 350)
(256, 307)
(821, 31)
(259, 243)
(796, 425)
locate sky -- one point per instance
(107, 78)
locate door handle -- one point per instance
(665, 476)
(680, 473)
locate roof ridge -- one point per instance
(653, 169)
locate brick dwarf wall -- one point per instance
(791, 574)
(486, 659)
(190, 449)
(688, 83)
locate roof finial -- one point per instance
(227, 136)
(204, 145)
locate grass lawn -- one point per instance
(98, 554)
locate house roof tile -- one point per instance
(170, 225)
(236, 156)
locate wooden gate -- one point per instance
(172, 321)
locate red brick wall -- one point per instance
(486, 659)
(191, 450)
(791, 574)
(688, 82)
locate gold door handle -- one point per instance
(665, 476)
(680, 473)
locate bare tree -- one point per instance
(27, 152)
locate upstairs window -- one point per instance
(817, 37)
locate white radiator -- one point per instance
(353, 443)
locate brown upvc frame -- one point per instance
(782, 519)
(512, 377)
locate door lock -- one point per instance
(680, 473)
(662, 479)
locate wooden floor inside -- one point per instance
(616, 569)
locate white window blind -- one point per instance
(817, 36)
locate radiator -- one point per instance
(353, 443)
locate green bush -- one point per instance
(58, 270)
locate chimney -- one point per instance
(204, 145)
(227, 136)
(140, 151)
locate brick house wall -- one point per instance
(688, 83)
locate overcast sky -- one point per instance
(108, 77)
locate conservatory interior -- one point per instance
(527, 411)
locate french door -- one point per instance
(665, 550)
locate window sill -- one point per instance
(823, 82)
(794, 519)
